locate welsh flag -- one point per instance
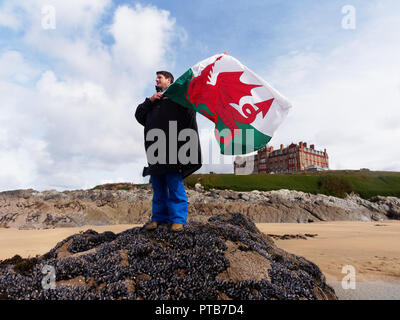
(245, 109)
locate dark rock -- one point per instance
(20, 265)
(21, 193)
(293, 236)
(224, 258)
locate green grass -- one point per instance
(124, 188)
(337, 183)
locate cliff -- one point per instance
(30, 209)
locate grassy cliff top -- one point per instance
(336, 183)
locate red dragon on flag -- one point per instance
(218, 98)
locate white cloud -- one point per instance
(14, 68)
(9, 18)
(141, 37)
(69, 122)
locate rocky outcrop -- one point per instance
(30, 209)
(390, 205)
(224, 258)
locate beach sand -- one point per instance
(372, 248)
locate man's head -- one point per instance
(164, 79)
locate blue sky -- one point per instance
(69, 94)
(257, 31)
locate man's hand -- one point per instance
(155, 96)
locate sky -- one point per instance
(73, 72)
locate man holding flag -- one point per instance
(168, 121)
(245, 109)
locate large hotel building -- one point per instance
(293, 158)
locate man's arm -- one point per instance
(143, 109)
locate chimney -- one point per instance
(312, 146)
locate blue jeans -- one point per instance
(169, 198)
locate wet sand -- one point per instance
(372, 248)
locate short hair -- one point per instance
(167, 75)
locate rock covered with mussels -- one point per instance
(225, 258)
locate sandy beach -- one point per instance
(372, 248)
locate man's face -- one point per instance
(162, 82)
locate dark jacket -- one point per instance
(157, 114)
